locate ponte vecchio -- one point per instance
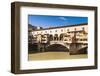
(71, 38)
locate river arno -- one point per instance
(54, 56)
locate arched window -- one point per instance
(55, 30)
(61, 37)
(50, 37)
(56, 37)
(83, 28)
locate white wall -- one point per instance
(5, 33)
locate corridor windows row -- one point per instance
(58, 30)
(77, 39)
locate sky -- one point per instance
(47, 21)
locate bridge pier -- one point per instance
(75, 48)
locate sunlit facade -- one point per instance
(70, 34)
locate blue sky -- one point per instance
(46, 21)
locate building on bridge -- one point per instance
(73, 37)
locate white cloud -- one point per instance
(62, 18)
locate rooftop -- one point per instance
(61, 26)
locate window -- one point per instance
(75, 29)
(45, 31)
(51, 37)
(50, 31)
(69, 39)
(68, 30)
(77, 39)
(81, 40)
(84, 39)
(82, 28)
(61, 30)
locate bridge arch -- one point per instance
(60, 43)
(57, 48)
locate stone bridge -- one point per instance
(73, 48)
(63, 43)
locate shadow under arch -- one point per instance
(83, 50)
(57, 48)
